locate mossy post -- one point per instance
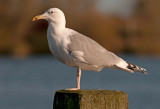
(90, 99)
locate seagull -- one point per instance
(77, 50)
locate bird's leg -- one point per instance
(78, 77)
(78, 80)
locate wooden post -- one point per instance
(90, 99)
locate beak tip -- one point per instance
(35, 18)
(38, 17)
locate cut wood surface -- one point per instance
(90, 99)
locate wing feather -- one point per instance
(94, 53)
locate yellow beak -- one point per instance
(38, 17)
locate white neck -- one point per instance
(57, 28)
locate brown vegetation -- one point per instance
(138, 34)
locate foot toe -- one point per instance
(72, 89)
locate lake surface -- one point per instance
(30, 83)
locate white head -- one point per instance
(54, 16)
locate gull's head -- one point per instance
(52, 15)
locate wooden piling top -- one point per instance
(90, 99)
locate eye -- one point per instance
(51, 12)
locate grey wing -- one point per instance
(90, 51)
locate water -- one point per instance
(30, 83)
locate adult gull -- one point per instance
(77, 50)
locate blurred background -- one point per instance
(123, 26)
(29, 75)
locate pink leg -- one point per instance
(78, 80)
(78, 77)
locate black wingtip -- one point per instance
(136, 68)
(144, 72)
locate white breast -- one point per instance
(58, 44)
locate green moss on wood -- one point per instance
(90, 99)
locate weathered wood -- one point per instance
(90, 99)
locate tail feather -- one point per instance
(136, 68)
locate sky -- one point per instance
(119, 7)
